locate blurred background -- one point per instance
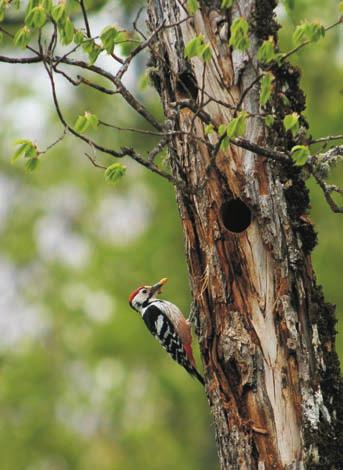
(82, 385)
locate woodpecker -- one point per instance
(166, 323)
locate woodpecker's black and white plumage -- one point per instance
(166, 322)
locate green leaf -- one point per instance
(27, 149)
(291, 123)
(93, 120)
(66, 31)
(225, 143)
(58, 13)
(92, 49)
(222, 129)
(128, 42)
(31, 164)
(227, 3)
(266, 52)
(81, 124)
(269, 120)
(194, 47)
(197, 48)
(47, 5)
(308, 32)
(340, 7)
(93, 54)
(237, 126)
(84, 122)
(22, 37)
(239, 34)
(192, 6)
(36, 17)
(266, 88)
(285, 99)
(108, 38)
(209, 129)
(79, 37)
(114, 172)
(300, 155)
(206, 53)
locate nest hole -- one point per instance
(236, 215)
(187, 85)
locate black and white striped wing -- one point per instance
(163, 330)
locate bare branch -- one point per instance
(20, 60)
(326, 139)
(85, 18)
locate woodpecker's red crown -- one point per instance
(156, 288)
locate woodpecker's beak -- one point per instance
(156, 288)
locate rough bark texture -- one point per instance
(266, 335)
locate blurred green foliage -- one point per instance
(82, 385)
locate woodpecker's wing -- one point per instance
(163, 330)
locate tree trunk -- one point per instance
(266, 335)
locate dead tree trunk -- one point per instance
(266, 335)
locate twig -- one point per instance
(85, 18)
(135, 21)
(326, 139)
(300, 46)
(57, 141)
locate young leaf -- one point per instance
(27, 149)
(81, 124)
(206, 53)
(36, 17)
(225, 143)
(66, 31)
(114, 172)
(269, 120)
(340, 7)
(192, 6)
(58, 13)
(300, 154)
(308, 32)
(209, 129)
(239, 37)
(22, 37)
(84, 122)
(266, 52)
(92, 49)
(222, 129)
(237, 126)
(92, 119)
(193, 47)
(291, 123)
(31, 163)
(266, 88)
(79, 37)
(197, 48)
(108, 38)
(227, 3)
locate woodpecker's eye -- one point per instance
(144, 291)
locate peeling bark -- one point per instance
(266, 335)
